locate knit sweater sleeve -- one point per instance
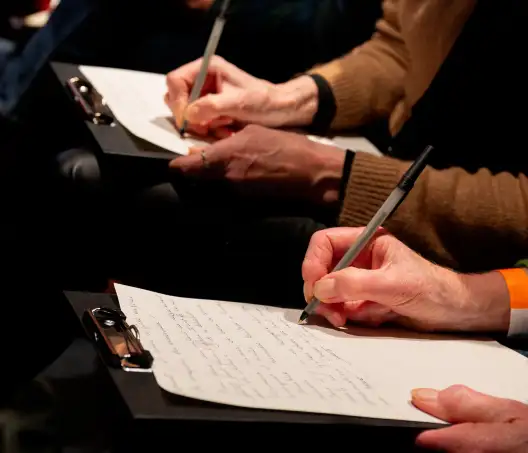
(368, 82)
(471, 222)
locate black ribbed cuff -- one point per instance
(347, 169)
(327, 107)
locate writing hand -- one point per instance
(391, 283)
(232, 97)
(481, 423)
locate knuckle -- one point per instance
(171, 78)
(217, 59)
(401, 288)
(253, 128)
(453, 397)
(317, 237)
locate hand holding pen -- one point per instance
(230, 99)
(396, 197)
(198, 78)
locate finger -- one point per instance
(223, 132)
(179, 86)
(334, 314)
(196, 150)
(177, 97)
(195, 129)
(217, 66)
(221, 122)
(191, 164)
(459, 404)
(325, 249)
(214, 106)
(352, 284)
(476, 437)
(368, 313)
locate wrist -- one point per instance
(329, 175)
(486, 302)
(298, 97)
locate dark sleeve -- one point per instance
(347, 170)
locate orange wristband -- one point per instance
(517, 283)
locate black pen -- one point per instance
(391, 204)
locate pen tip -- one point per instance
(182, 132)
(303, 317)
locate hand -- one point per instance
(260, 161)
(483, 423)
(231, 97)
(199, 4)
(391, 283)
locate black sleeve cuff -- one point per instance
(327, 108)
(347, 169)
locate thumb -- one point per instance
(177, 98)
(214, 106)
(352, 284)
(191, 164)
(459, 404)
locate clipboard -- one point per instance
(157, 414)
(111, 137)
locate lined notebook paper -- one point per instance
(259, 357)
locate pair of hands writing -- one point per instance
(390, 283)
(255, 160)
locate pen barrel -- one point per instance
(415, 170)
(210, 50)
(225, 5)
(391, 203)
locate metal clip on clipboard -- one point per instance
(90, 101)
(118, 342)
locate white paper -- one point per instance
(256, 356)
(137, 101)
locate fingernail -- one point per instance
(425, 395)
(324, 289)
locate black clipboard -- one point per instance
(157, 414)
(112, 138)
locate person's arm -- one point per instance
(472, 222)
(367, 83)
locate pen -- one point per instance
(391, 204)
(210, 50)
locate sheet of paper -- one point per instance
(258, 357)
(136, 99)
